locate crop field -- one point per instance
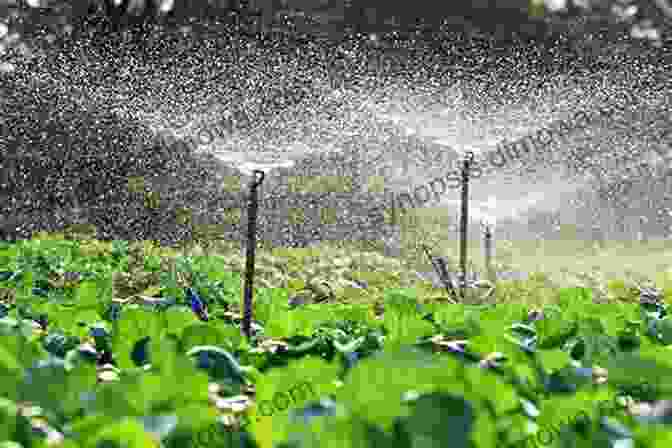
(133, 344)
(133, 313)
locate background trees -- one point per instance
(23, 20)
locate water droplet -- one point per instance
(6, 67)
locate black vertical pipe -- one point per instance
(251, 243)
(488, 253)
(464, 219)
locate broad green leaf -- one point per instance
(128, 433)
(406, 328)
(401, 301)
(283, 390)
(219, 364)
(375, 386)
(86, 316)
(48, 386)
(570, 297)
(653, 436)
(553, 333)
(116, 399)
(350, 346)
(8, 418)
(159, 425)
(176, 320)
(440, 420)
(665, 331)
(203, 334)
(86, 428)
(26, 352)
(8, 361)
(179, 376)
(80, 379)
(133, 325)
(553, 359)
(87, 295)
(635, 370)
(339, 431)
(269, 303)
